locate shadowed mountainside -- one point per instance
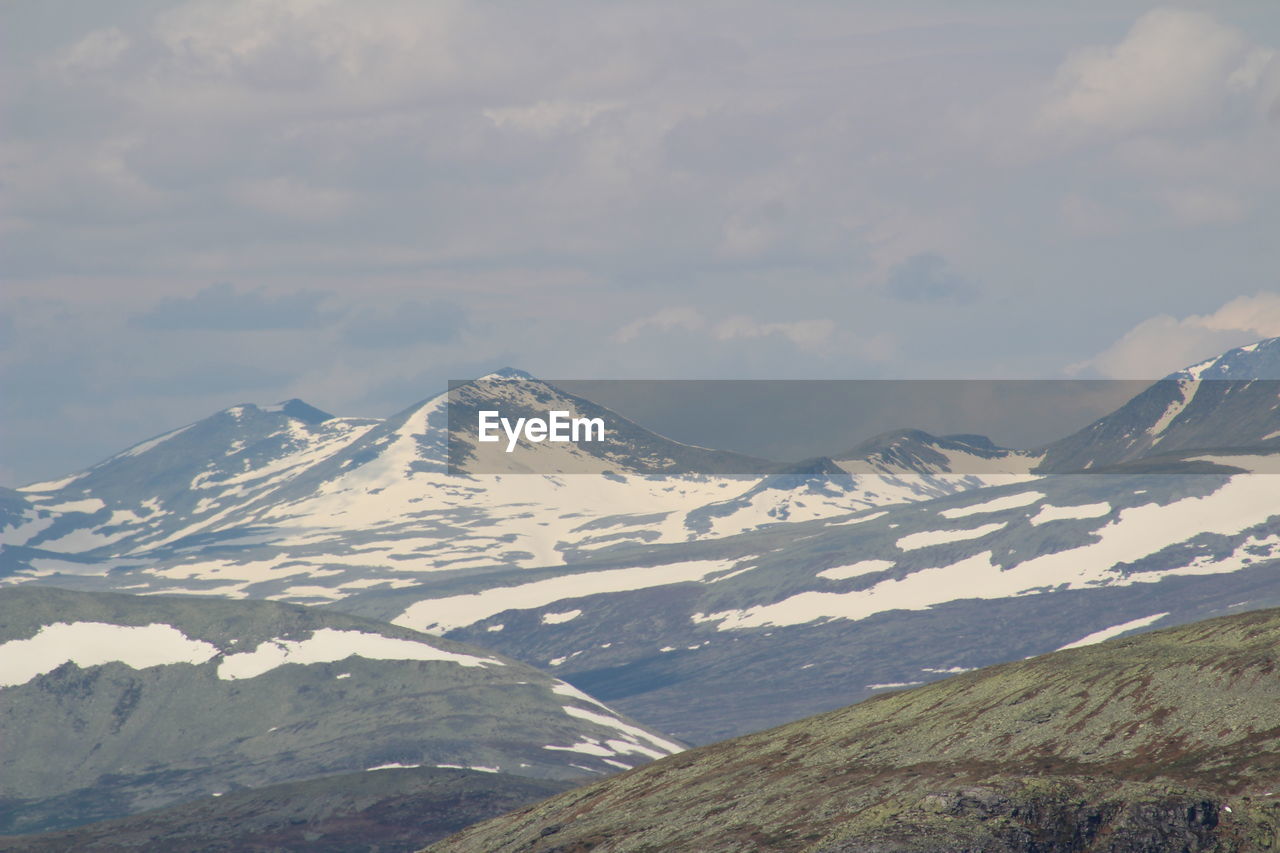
(389, 811)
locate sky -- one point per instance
(212, 202)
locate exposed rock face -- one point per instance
(1168, 741)
(1068, 819)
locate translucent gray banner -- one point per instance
(510, 423)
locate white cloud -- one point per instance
(546, 118)
(1163, 344)
(808, 334)
(95, 52)
(1173, 68)
(685, 319)
(803, 333)
(1173, 124)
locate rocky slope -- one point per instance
(114, 704)
(1167, 741)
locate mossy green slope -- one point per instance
(1165, 741)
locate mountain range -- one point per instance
(705, 594)
(659, 593)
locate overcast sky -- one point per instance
(224, 201)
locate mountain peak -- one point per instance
(1258, 360)
(509, 373)
(300, 410)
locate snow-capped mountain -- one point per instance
(709, 604)
(264, 503)
(114, 704)
(178, 483)
(1224, 403)
(624, 448)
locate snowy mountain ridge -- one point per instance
(231, 504)
(674, 597)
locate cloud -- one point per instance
(406, 324)
(683, 319)
(1163, 344)
(562, 173)
(1173, 68)
(927, 277)
(1171, 126)
(546, 118)
(220, 307)
(807, 334)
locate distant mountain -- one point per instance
(913, 451)
(263, 502)
(1225, 403)
(704, 604)
(626, 448)
(169, 492)
(1165, 742)
(114, 704)
(395, 810)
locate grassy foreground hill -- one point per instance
(1168, 741)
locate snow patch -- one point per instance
(1049, 513)
(1114, 631)
(96, 643)
(329, 645)
(1186, 392)
(439, 615)
(633, 734)
(87, 506)
(139, 449)
(926, 538)
(994, 505)
(559, 618)
(52, 485)
(863, 567)
(564, 688)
